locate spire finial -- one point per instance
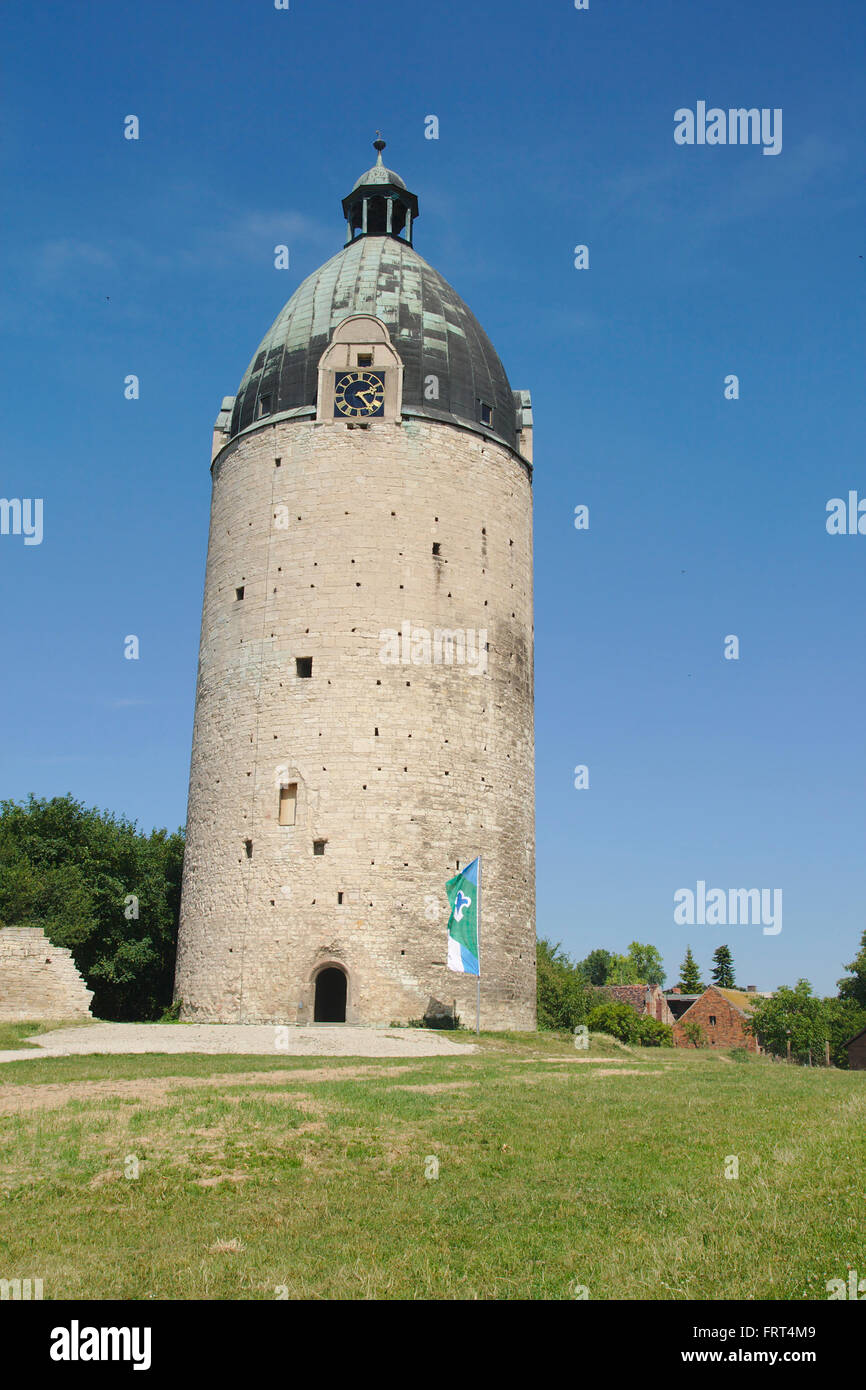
(379, 144)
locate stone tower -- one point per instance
(364, 708)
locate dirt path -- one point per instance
(155, 1090)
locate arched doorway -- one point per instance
(330, 1002)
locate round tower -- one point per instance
(364, 706)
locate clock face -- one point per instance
(359, 394)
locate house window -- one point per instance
(304, 667)
(318, 847)
(712, 1020)
(288, 803)
(485, 413)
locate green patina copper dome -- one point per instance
(442, 345)
(378, 174)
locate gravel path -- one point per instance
(264, 1040)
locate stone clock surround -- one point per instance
(357, 336)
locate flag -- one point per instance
(463, 892)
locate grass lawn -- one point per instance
(12, 1035)
(310, 1175)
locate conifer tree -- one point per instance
(690, 976)
(723, 968)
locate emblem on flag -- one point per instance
(463, 891)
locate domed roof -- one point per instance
(378, 174)
(434, 332)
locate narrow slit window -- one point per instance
(304, 667)
(288, 803)
(437, 548)
(248, 847)
(339, 899)
(239, 593)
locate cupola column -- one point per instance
(380, 204)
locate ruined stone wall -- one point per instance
(38, 980)
(404, 769)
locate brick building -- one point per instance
(722, 1015)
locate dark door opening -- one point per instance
(330, 1006)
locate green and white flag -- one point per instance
(464, 892)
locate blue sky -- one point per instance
(707, 516)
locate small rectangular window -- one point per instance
(437, 548)
(318, 847)
(304, 667)
(485, 413)
(288, 803)
(712, 1020)
(339, 899)
(365, 359)
(248, 846)
(264, 405)
(239, 593)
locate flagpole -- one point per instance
(478, 976)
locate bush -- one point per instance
(616, 1019)
(694, 1033)
(652, 1033)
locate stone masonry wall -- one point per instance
(406, 770)
(38, 980)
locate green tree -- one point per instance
(563, 999)
(97, 885)
(597, 967)
(842, 1019)
(790, 1014)
(622, 971)
(853, 987)
(723, 968)
(690, 976)
(647, 963)
(808, 1021)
